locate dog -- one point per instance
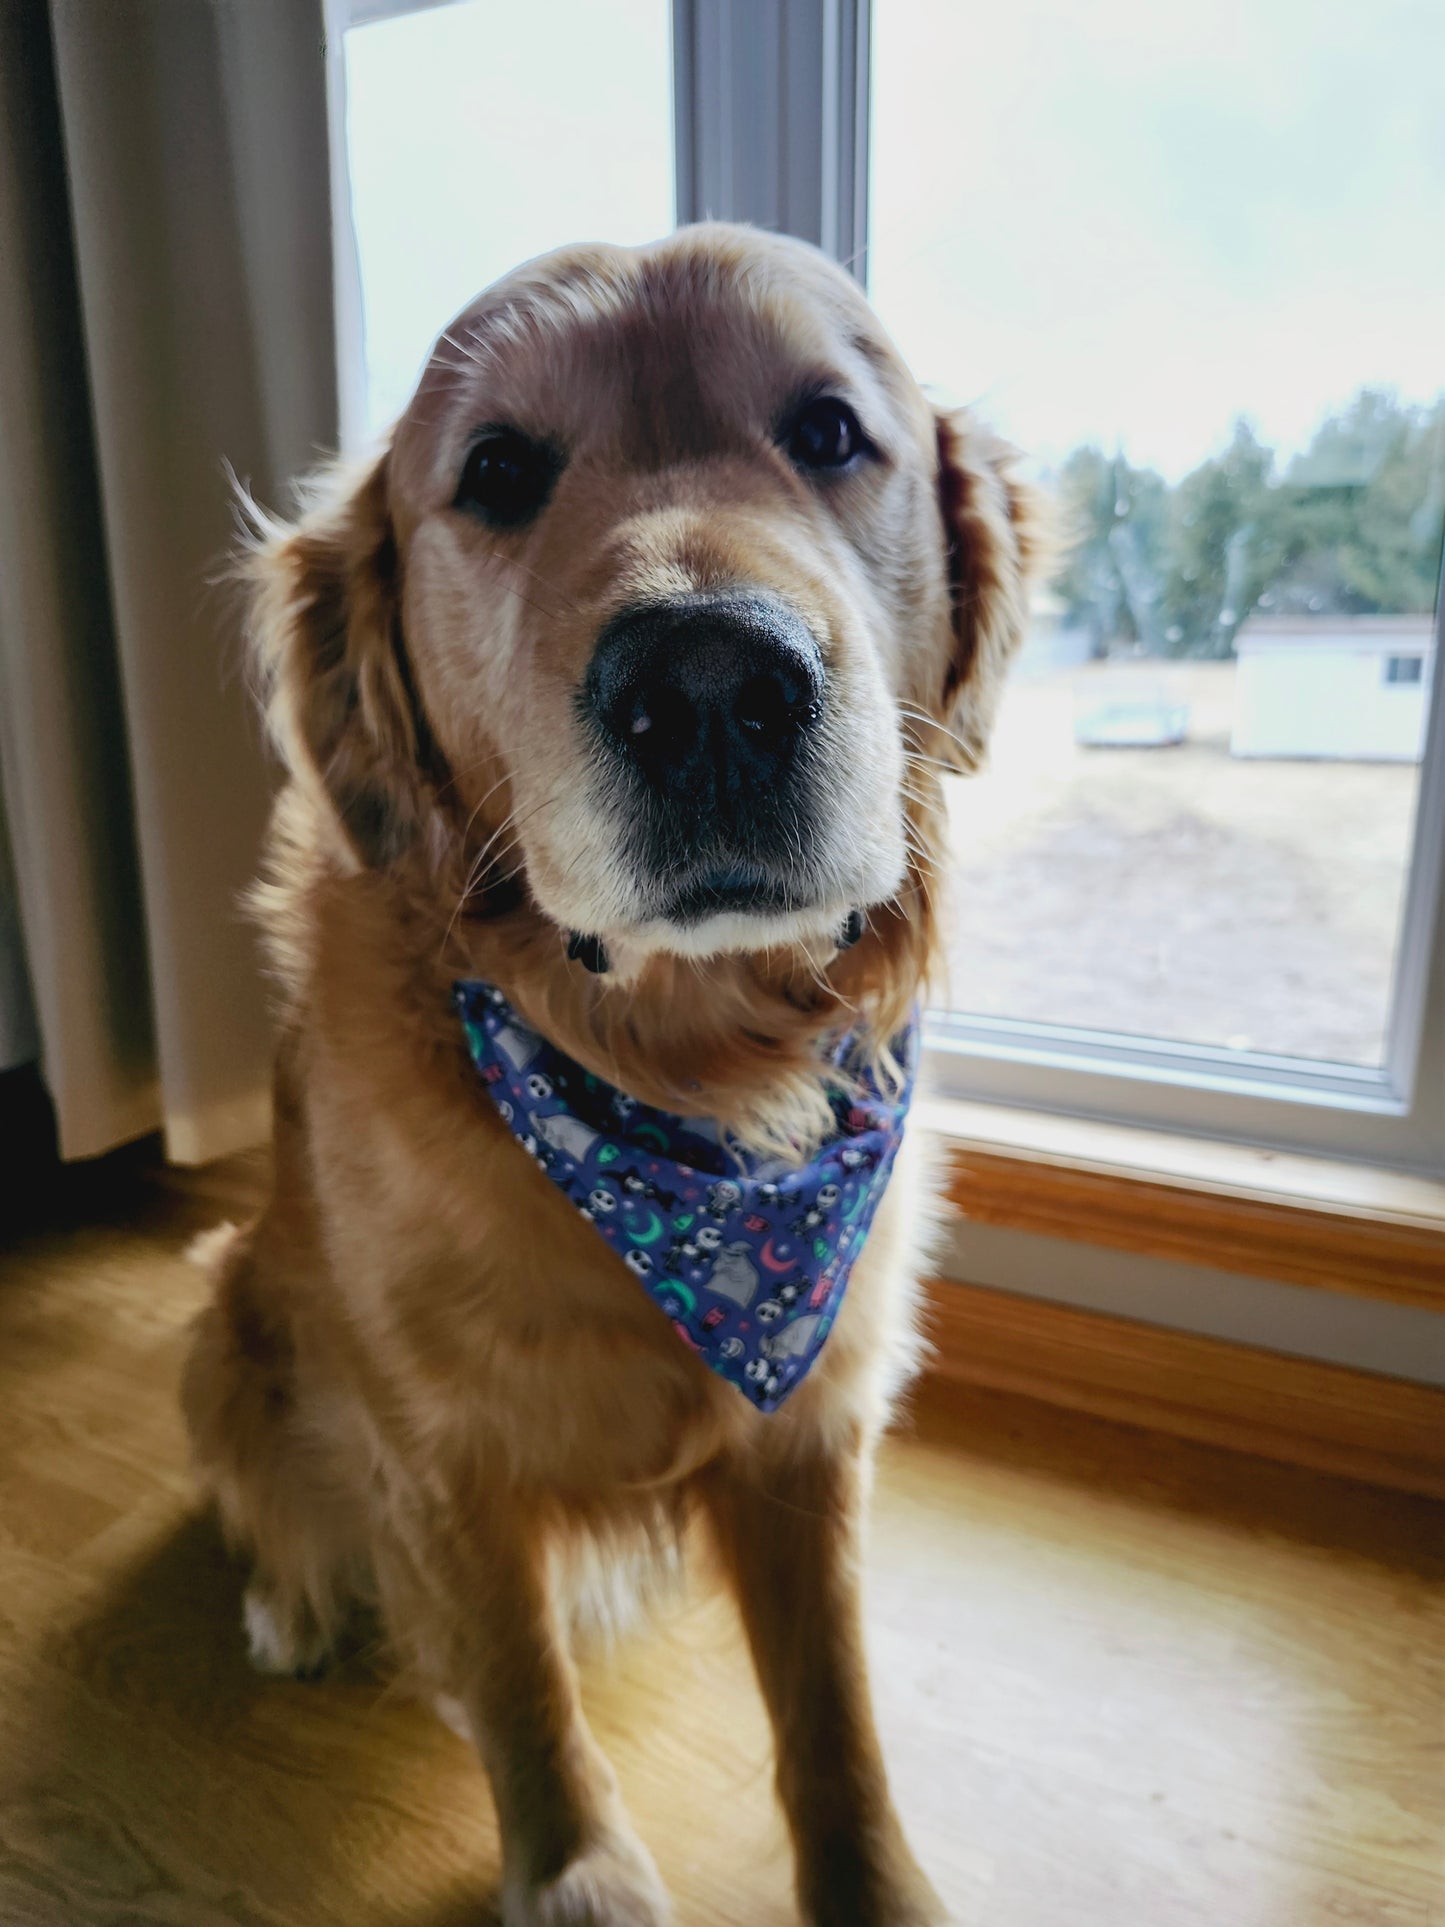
(620, 681)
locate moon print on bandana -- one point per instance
(749, 1257)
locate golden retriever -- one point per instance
(634, 488)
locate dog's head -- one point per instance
(667, 592)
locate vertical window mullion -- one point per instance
(770, 113)
(1415, 1052)
(847, 55)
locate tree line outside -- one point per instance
(1349, 526)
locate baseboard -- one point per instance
(1358, 1425)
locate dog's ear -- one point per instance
(995, 527)
(335, 680)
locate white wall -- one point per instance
(1403, 1341)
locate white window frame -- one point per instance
(771, 125)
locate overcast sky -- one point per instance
(483, 133)
(1123, 220)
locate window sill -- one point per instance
(1302, 1220)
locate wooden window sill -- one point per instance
(1302, 1220)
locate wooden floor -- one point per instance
(1123, 1682)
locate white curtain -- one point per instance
(165, 309)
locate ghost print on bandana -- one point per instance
(749, 1257)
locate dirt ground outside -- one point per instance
(1180, 892)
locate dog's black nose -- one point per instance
(707, 694)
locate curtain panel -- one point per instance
(166, 316)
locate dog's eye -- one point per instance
(825, 435)
(506, 478)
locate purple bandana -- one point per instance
(748, 1257)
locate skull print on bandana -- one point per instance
(749, 1257)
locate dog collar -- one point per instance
(749, 1257)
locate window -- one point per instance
(1190, 261)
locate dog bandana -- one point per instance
(749, 1257)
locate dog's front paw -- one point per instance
(613, 1884)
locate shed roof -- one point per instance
(1388, 634)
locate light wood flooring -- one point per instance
(1124, 1682)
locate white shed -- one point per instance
(1352, 687)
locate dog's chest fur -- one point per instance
(497, 1317)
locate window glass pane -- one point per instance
(482, 133)
(1193, 260)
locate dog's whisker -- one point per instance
(481, 805)
(511, 589)
(917, 757)
(516, 562)
(473, 877)
(911, 711)
(513, 823)
(467, 769)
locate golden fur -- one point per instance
(424, 1378)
